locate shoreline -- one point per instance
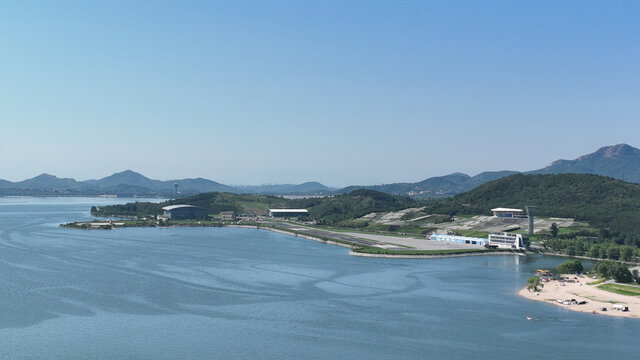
(391, 256)
(435, 256)
(596, 298)
(323, 239)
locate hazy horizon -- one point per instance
(343, 93)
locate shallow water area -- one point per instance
(204, 293)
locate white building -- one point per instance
(287, 212)
(506, 240)
(507, 212)
(456, 239)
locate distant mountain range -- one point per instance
(308, 188)
(619, 161)
(439, 186)
(124, 184)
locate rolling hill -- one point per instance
(617, 161)
(603, 202)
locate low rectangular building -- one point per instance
(227, 215)
(287, 212)
(456, 239)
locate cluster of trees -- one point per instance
(533, 283)
(128, 209)
(593, 247)
(571, 267)
(333, 210)
(617, 271)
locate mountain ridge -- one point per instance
(620, 161)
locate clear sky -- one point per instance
(341, 92)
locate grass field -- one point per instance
(621, 289)
(473, 233)
(596, 282)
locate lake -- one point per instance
(227, 293)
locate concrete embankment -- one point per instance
(426, 256)
(394, 256)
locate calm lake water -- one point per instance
(222, 293)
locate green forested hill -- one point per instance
(355, 204)
(604, 202)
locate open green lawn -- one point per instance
(370, 230)
(621, 289)
(573, 229)
(473, 233)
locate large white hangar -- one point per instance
(184, 212)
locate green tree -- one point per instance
(571, 267)
(626, 253)
(533, 283)
(613, 270)
(594, 251)
(554, 230)
(613, 252)
(622, 275)
(579, 246)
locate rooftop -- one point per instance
(507, 210)
(172, 207)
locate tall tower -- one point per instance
(175, 193)
(531, 211)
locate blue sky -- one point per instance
(341, 92)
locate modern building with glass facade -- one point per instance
(506, 240)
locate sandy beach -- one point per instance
(579, 290)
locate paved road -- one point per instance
(382, 241)
(320, 232)
(419, 244)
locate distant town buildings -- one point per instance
(227, 215)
